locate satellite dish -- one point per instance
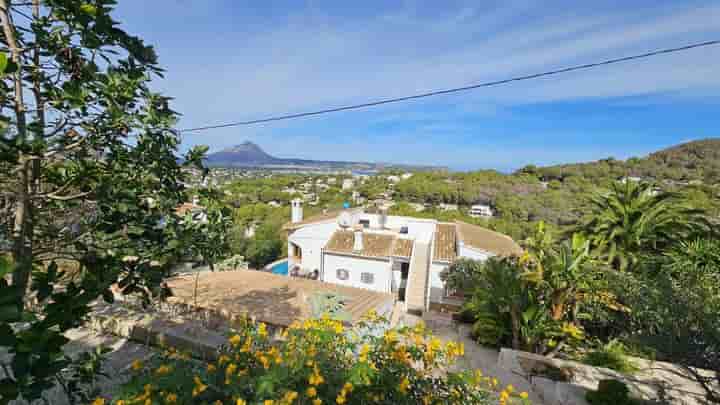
(345, 220)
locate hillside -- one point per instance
(696, 160)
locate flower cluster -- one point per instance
(316, 362)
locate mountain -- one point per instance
(244, 154)
(248, 154)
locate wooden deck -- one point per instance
(274, 299)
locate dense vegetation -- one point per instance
(642, 270)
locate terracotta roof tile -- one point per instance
(270, 298)
(374, 244)
(484, 239)
(402, 248)
(445, 243)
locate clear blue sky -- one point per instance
(230, 60)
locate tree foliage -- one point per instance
(89, 175)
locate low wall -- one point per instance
(561, 382)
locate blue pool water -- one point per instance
(280, 268)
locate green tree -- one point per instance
(89, 169)
(632, 220)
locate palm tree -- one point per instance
(633, 220)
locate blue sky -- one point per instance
(231, 60)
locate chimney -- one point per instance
(296, 213)
(358, 239)
(382, 219)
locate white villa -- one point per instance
(480, 210)
(391, 254)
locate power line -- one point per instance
(457, 89)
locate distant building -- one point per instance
(403, 256)
(393, 179)
(274, 203)
(406, 176)
(448, 207)
(480, 210)
(348, 184)
(331, 180)
(633, 179)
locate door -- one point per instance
(404, 270)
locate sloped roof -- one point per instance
(328, 216)
(185, 207)
(374, 244)
(484, 239)
(270, 298)
(445, 243)
(402, 248)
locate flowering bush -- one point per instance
(317, 362)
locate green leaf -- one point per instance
(5, 265)
(9, 313)
(3, 62)
(7, 336)
(88, 9)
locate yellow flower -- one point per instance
(347, 387)
(317, 401)
(199, 387)
(99, 401)
(223, 359)
(311, 392)
(524, 395)
(340, 399)
(137, 365)
(268, 402)
(509, 388)
(262, 330)
(290, 396)
(235, 340)
(211, 368)
(240, 401)
(171, 398)
(404, 384)
(162, 370)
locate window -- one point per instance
(365, 223)
(342, 274)
(367, 278)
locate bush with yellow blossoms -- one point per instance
(315, 362)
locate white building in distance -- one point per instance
(480, 210)
(348, 184)
(403, 256)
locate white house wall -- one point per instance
(356, 266)
(312, 239)
(437, 286)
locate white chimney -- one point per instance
(296, 213)
(382, 219)
(358, 239)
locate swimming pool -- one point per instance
(280, 268)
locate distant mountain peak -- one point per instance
(244, 153)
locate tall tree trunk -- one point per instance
(22, 249)
(515, 327)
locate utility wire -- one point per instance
(456, 89)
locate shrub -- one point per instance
(612, 355)
(610, 392)
(318, 361)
